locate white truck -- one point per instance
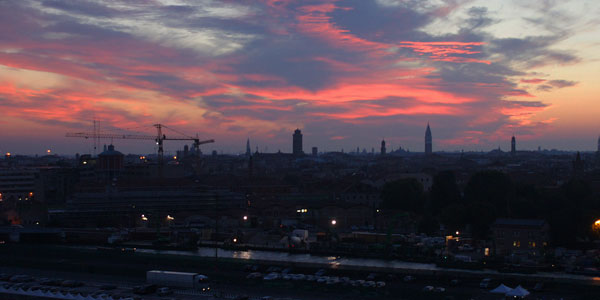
(178, 279)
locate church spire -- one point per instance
(248, 151)
(428, 141)
(513, 145)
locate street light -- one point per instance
(596, 226)
(333, 222)
(170, 218)
(144, 218)
(245, 218)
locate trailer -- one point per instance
(178, 279)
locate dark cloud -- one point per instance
(556, 84)
(81, 7)
(287, 66)
(562, 83)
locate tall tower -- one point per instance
(513, 146)
(383, 150)
(598, 145)
(248, 151)
(428, 143)
(297, 142)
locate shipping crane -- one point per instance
(159, 138)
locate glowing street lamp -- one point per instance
(596, 226)
(144, 218)
(245, 218)
(170, 218)
(333, 222)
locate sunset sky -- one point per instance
(347, 73)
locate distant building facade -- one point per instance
(520, 236)
(297, 142)
(428, 141)
(110, 162)
(383, 150)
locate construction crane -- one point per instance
(159, 138)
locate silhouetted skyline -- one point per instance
(348, 73)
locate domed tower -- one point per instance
(110, 162)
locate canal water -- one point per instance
(368, 264)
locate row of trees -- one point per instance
(570, 210)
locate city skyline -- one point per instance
(298, 146)
(478, 71)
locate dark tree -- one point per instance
(454, 216)
(404, 194)
(492, 187)
(481, 216)
(444, 191)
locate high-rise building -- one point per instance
(598, 144)
(297, 142)
(513, 146)
(578, 166)
(248, 151)
(315, 151)
(383, 150)
(428, 141)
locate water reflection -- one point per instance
(336, 261)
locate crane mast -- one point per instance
(159, 138)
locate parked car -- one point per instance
(163, 291)
(21, 278)
(271, 276)
(286, 271)
(51, 282)
(145, 289)
(485, 283)
(466, 247)
(108, 287)
(428, 288)
(71, 283)
(408, 278)
(254, 275)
